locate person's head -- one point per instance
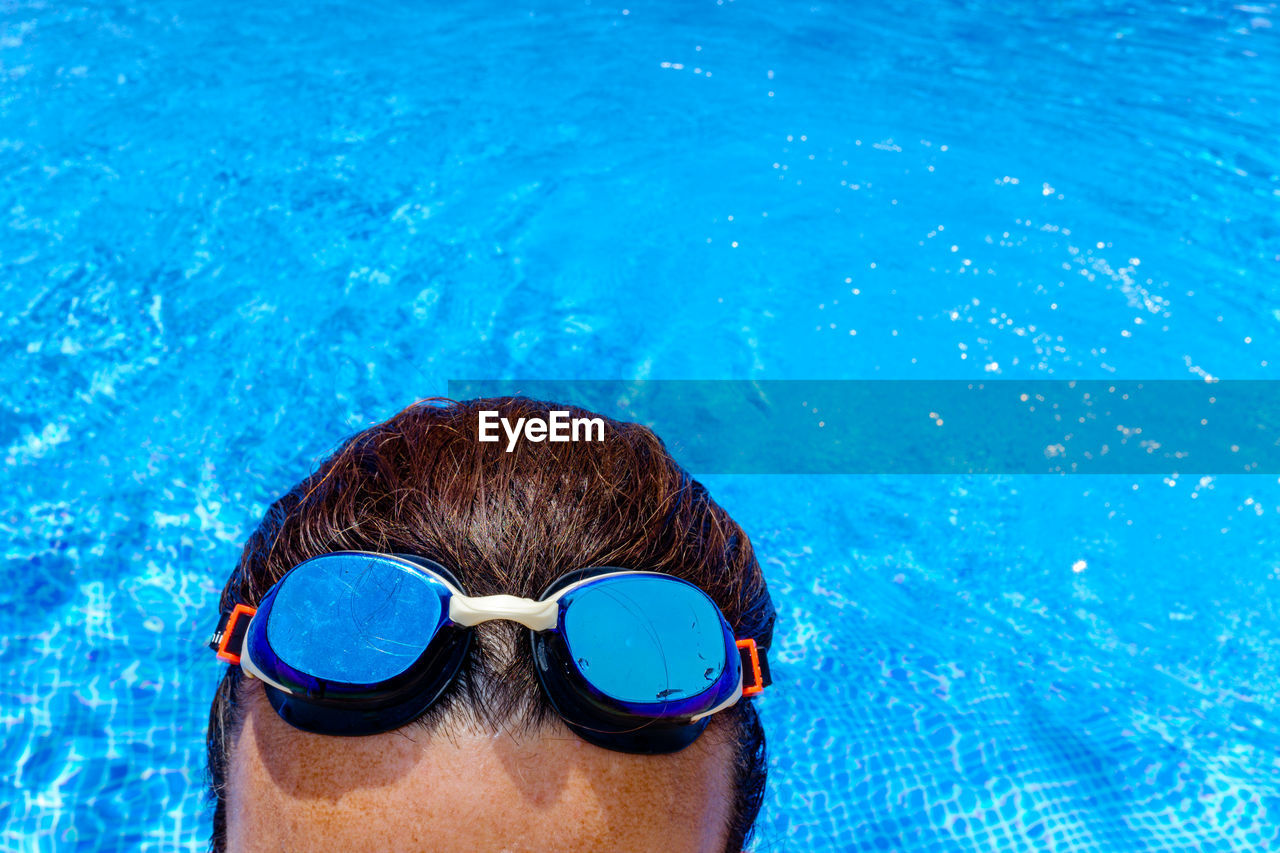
(491, 765)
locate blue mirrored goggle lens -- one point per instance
(353, 619)
(645, 639)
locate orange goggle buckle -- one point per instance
(229, 638)
(755, 665)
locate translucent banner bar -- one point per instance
(937, 426)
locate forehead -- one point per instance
(468, 791)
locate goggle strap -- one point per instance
(755, 667)
(228, 639)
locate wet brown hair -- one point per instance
(422, 483)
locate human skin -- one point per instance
(405, 791)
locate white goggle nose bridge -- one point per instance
(534, 615)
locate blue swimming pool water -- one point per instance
(230, 237)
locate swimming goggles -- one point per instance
(356, 643)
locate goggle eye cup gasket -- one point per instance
(658, 725)
(328, 706)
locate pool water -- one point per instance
(231, 237)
